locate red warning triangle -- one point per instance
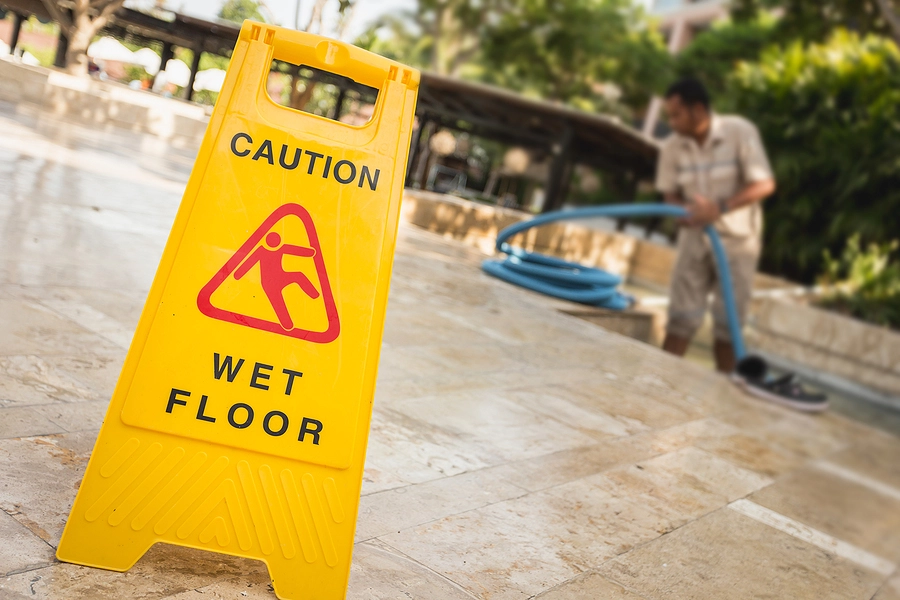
(266, 250)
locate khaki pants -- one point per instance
(695, 277)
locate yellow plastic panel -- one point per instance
(240, 419)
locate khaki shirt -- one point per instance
(732, 157)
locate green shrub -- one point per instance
(713, 55)
(865, 284)
(133, 72)
(45, 56)
(830, 116)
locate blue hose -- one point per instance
(595, 287)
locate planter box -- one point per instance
(631, 323)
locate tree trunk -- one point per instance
(76, 55)
(299, 99)
(891, 18)
(437, 56)
(315, 18)
(346, 17)
(80, 23)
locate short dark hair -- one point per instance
(691, 92)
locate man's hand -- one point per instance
(701, 212)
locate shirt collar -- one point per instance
(715, 128)
(716, 133)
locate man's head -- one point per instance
(687, 107)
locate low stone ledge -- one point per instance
(86, 100)
(478, 224)
(644, 263)
(20, 82)
(826, 341)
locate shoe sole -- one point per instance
(775, 398)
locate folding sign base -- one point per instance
(240, 420)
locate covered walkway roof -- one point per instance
(209, 35)
(593, 139)
(568, 135)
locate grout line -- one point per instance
(385, 546)
(35, 566)
(583, 575)
(812, 536)
(91, 319)
(378, 537)
(858, 478)
(884, 586)
(497, 336)
(29, 568)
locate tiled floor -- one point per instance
(515, 452)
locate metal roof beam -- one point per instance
(490, 128)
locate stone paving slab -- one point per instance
(855, 515)
(889, 591)
(515, 451)
(728, 555)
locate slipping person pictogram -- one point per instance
(268, 249)
(273, 276)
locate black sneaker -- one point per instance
(752, 374)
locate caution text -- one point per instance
(313, 163)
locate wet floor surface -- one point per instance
(515, 452)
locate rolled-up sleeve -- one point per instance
(754, 162)
(667, 169)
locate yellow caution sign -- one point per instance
(239, 422)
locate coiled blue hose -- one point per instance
(596, 287)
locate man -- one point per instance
(716, 167)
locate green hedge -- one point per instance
(864, 283)
(830, 116)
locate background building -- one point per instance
(681, 20)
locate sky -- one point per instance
(284, 11)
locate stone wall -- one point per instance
(478, 224)
(20, 82)
(642, 262)
(825, 341)
(470, 222)
(91, 101)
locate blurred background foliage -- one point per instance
(864, 283)
(594, 55)
(830, 115)
(237, 11)
(591, 54)
(715, 54)
(815, 20)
